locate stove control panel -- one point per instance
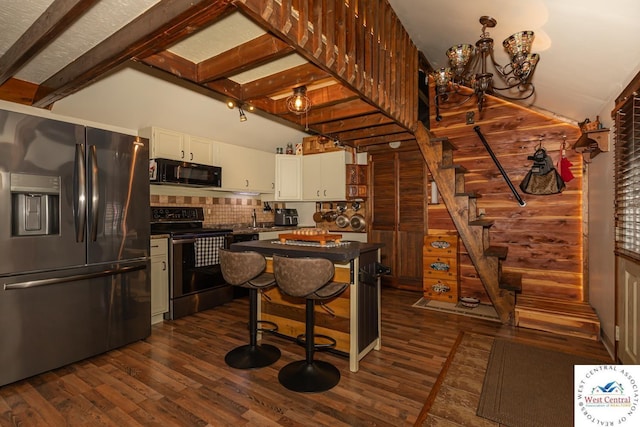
(176, 214)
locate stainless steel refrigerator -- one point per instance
(74, 243)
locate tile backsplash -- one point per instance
(221, 210)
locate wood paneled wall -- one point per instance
(545, 238)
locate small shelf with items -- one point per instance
(594, 139)
(356, 181)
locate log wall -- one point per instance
(545, 238)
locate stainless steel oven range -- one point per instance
(195, 281)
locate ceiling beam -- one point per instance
(341, 111)
(365, 142)
(172, 63)
(251, 54)
(320, 98)
(18, 91)
(53, 21)
(360, 122)
(370, 132)
(167, 21)
(286, 80)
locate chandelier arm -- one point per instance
(511, 83)
(520, 98)
(500, 68)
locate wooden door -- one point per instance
(383, 209)
(411, 177)
(398, 212)
(628, 311)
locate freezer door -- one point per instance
(38, 193)
(51, 319)
(118, 202)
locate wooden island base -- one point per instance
(352, 318)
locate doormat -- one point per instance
(528, 386)
(482, 311)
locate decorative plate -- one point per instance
(440, 288)
(440, 244)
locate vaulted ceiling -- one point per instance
(360, 69)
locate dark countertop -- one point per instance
(252, 230)
(342, 253)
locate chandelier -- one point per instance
(468, 67)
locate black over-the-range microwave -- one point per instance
(165, 171)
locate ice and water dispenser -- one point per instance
(35, 204)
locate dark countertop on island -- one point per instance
(343, 253)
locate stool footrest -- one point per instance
(301, 340)
(269, 326)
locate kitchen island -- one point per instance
(352, 318)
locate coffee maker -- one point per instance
(286, 217)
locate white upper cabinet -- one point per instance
(200, 150)
(324, 176)
(246, 169)
(288, 177)
(169, 144)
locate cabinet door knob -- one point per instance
(247, 183)
(182, 154)
(164, 266)
(191, 156)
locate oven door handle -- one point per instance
(182, 241)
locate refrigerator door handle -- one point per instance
(75, 278)
(80, 194)
(95, 192)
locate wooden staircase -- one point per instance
(473, 231)
(571, 318)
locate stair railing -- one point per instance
(521, 202)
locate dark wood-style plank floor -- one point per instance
(177, 376)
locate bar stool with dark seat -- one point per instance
(246, 269)
(308, 278)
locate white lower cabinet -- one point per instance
(159, 279)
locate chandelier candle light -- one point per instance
(468, 67)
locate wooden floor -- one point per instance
(177, 376)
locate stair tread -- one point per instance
(511, 281)
(497, 251)
(482, 222)
(552, 305)
(458, 168)
(470, 194)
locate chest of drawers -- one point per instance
(440, 260)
